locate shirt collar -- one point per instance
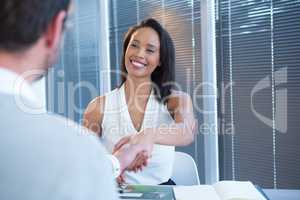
(13, 84)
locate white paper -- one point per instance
(199, 192)
(131, 195)
(237, 190)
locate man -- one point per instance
(44, 156)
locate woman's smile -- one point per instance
(138, 64)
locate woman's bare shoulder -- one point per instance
(95, 108)
(177, 98)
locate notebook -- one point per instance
(223, 190)
(146, 192)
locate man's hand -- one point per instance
(141, 141)
(139, 162)
(130, 155)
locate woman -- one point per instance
(145, 110)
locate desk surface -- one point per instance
(282, 194)
(273, 194)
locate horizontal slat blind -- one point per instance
(75, 79)
(258, 59)
(287, 55)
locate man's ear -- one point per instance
(54, 31)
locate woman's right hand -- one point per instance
(142, 145)
(139, 163)
(144, 141)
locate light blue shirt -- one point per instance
(45, 156)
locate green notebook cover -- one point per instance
(147, 192)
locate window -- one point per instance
(258, 66)
(75, 80)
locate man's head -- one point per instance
(32, 28)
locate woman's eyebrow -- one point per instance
(135, 40)
(149, 44)
(152, 46)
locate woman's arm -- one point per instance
(93, 115)
(182, 132)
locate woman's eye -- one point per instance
(150, 50)
(133, 45)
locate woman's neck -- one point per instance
(137, 89)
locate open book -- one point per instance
(223, 190)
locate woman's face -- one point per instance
(142, 54)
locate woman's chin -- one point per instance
(135, 71)
(139, 75)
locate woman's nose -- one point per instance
(141, 53)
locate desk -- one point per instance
(272, 194)
(282, 194)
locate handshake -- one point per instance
(133, 153)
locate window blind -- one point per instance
(74, 80)
(258, 66)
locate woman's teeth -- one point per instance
(138, 64)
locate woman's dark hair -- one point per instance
(163, 76)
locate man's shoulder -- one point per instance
(19, 121)
(48, 150)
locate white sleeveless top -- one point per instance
(117, 124)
